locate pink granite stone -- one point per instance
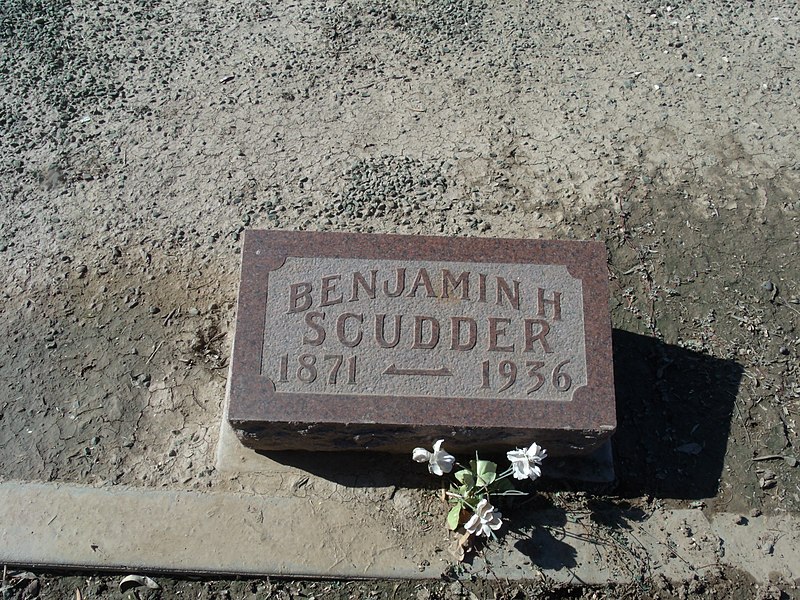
(387, 342)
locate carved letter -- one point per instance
(358, 280)
(424, 279)
(419, 323)
(463, 281)
(297, 292)
(341, 327)
(502, 286)
(481, 287)
(328, 287)
(400, 285)
(494, 333)
(379, 335)
(555, 303)
(318, 328)
(472, 333)
(544, 329)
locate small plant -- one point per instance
(470, 495)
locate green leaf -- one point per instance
(486, 472)
(466, 477)
(486, 466)
(454, 516)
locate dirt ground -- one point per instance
(139, 138)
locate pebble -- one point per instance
(193, 312)
(768, 285)
(154, 310)
(386, 185)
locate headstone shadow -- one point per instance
(674, 410)
(358, 469)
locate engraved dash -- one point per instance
(440, 372)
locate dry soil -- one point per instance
(139, 138)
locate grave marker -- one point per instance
(387, 342)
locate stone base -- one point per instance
(594, 468)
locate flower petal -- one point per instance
(516, 455)
(421, 455)
(481, 508)
(535, 453)
(519, 472)
(473, 524)
(443, 460)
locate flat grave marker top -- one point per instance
(354, 341)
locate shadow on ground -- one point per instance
(674, 409)
(358, 469)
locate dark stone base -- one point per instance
(596, 468)
(402, 439)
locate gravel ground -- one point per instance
(138, 139)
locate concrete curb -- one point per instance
(129, 529)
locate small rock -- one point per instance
(193, 312)
(766, 484)
(154, 310)
(31, 590)
(690, 448)
(755, 513)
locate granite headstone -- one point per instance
(386, 342)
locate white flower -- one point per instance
(525, 462)
(439, 461)
(485, 519)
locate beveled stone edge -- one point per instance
(267, 249)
